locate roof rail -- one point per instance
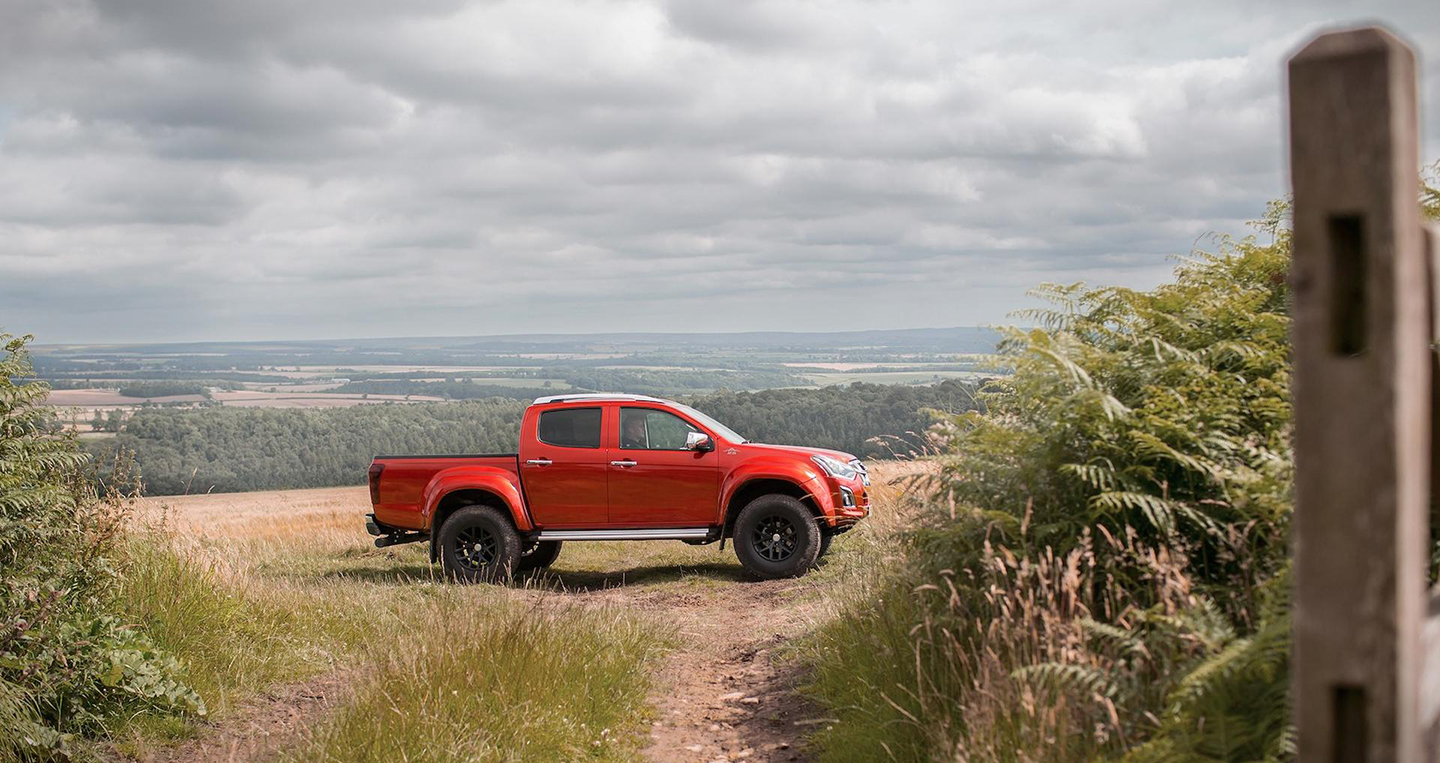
(596, 396)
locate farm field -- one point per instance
(77, 407)
(890, 377)
(698, 666)
(116, 381)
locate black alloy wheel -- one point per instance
(478, 543)
(775, 538)
(475, 548)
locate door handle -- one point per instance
(625, 464)
(539, 462)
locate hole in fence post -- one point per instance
(1347, 284)
(1349, 726)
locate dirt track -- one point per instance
(265, 725)
(725, 693)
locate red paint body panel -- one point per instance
(571, 491)
(664, 488)
(411, 486)
(548, 486)
(501, 482)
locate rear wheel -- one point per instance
(776, 537)
(478, 544)
(539, 555)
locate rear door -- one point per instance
(564, 467)
(654, 481)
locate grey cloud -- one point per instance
(264, 168)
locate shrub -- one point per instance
(69, 662)
(1102, 570)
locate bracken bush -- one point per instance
(71, 666)
(1103, 570)
(1102, 573)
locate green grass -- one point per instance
(860, 662)
(860, 659)
(230, 644)
(445, 672)
(499, 682)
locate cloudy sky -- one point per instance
(247, 169)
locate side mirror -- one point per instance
(699, 442)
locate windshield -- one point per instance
(712, 424)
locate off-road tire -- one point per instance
(540, 554)
(825, 537)
(766, 557)
(491, 545)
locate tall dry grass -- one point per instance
(1017, 657)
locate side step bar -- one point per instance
(664, 533)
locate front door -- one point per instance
(654, 481)
(566, 473)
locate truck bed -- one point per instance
(397, 483)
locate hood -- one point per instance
(794, 450)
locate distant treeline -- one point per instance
(869, 420)
(237, 449)
(163, 389)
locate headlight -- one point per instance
(835, 468)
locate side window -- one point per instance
(571, 427)
(649, 429)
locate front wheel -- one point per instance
(477, 544)
(776, 537)
(825, 537)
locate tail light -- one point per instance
(375, 470)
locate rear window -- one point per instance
(571, 427)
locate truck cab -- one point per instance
(619, 467)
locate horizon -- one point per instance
(37, 344)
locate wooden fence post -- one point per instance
(1362, 401)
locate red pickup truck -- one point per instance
(618, 467)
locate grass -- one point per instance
(446, 672)
(860, 653)
(232, 641)
(498, 683)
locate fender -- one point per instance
(501, 482)
(803, 475)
